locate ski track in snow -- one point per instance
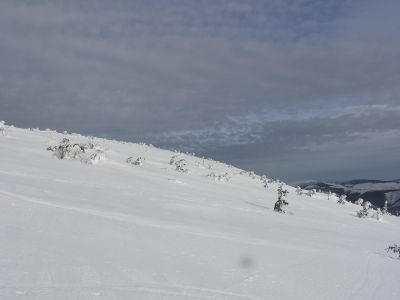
(139, 221)
(136, 289)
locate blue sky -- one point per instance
(293, 89)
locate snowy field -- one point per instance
(110, 230)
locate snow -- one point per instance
(115, 231)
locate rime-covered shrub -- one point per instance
(180, 166)
(311, 193)
(204, 164)
(173, 159)
(330, 195)
(299, 191)
(359, 201)
(2, 127)
(135, 162)
(251, 174)
(88, 153)
(385, 209)
(264, 180)
(364, 212)
(394, 249)
(378, 214)
(221, 177)
(278, 207)
(342, 199)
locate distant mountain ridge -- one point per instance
(375, 191)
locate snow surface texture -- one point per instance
(115, 231)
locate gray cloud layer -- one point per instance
(292, 88)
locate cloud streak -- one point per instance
(217, 76)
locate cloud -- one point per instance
(218, 76)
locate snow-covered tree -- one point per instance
(88, 153)
(180, 166)
(2, 127)
(385, 210)
(281, 202)
(135, 162)
(394, 248)
(342, 199)
(363, 213)
(330, 195)
(378, 214)
(299, 190)
(221, 177)
(173, 159)
(264, 180)
(311, 193)
(359, 201)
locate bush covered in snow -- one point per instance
(88, 153)
(394, 249)
(251, 174)
(221, 177)
(179, 163)
(378, 214)
(204, 164)
(180, 166)
(264, 180)
(311, 193)
(299, 191)
(385, 210)
(342, 199)
(330, 195)
(364, 212)
(281, 202)
(2, 127)
(173, 159)
(359, 201)
(135, 162)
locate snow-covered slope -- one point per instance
(110, 230)
(375, 191)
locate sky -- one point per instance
(295, 90)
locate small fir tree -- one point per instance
(365, 210)
(2, 127)
(385, 210)
(281, 202)
(264, 180)
(359, 201)
(378, 214)
(342, 199)
(330, 195)
(311, 193)
(299, 191)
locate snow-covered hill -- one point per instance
(112, 230)
(374, 191)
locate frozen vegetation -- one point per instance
(100, 219)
